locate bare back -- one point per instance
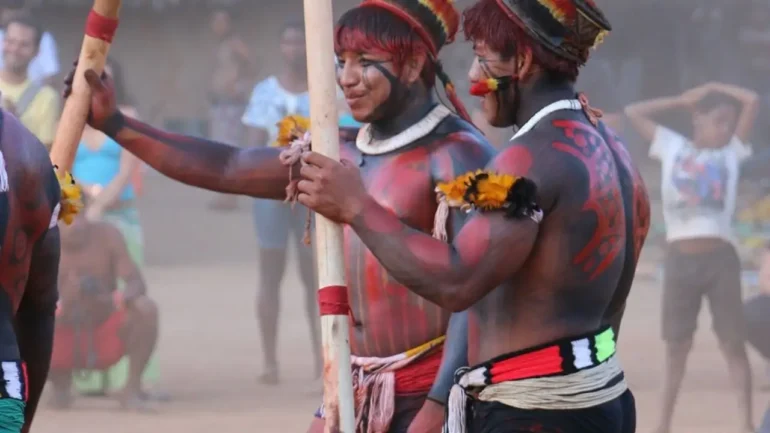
(29, 193)
(582, 265)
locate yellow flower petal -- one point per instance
(491, 190)
(488, 190)
(291, 128)
(71, 198)
(454, 191)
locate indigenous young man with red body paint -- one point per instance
(387, 66)
(547, 259)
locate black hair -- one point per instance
(714, 100)
(298, 25)
(26, 20)
(374, 28)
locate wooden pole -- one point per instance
(100, 28)
(338, 386)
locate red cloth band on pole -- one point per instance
(101, 27)
(333, 301)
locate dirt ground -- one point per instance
(202, 272)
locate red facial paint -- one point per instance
(491, 22)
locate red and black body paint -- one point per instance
(582, 262)
(390, 318)
(604, 197)
(29, 256)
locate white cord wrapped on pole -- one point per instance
(338, 385)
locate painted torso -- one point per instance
(389, 318)
(582, 264)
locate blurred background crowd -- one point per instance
(229, 69)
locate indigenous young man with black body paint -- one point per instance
(386, 56)
(546, 263)
(29, 268)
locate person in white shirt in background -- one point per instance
(275, 222)
(45, 66)
(699, 186)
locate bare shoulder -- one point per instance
(458, 147)
(556, 156)
(620, 149)
(348, 149)
(27, 164)
(22, 148)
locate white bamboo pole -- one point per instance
(338, 385)
(93, 55)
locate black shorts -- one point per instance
(688, 278)
(616, 416)
(758, 323)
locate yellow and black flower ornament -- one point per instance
(487, 191)
(291, 128)
(71, 196)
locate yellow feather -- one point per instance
(491, 190)
(291, 128)
(71, 198)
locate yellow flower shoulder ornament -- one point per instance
(71, 197)
(486, 190)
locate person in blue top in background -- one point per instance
(347, 121)
(105, 170)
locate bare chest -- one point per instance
(389, 318)
(403, 184)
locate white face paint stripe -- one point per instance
(55, 216)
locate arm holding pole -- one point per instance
(101, 25)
